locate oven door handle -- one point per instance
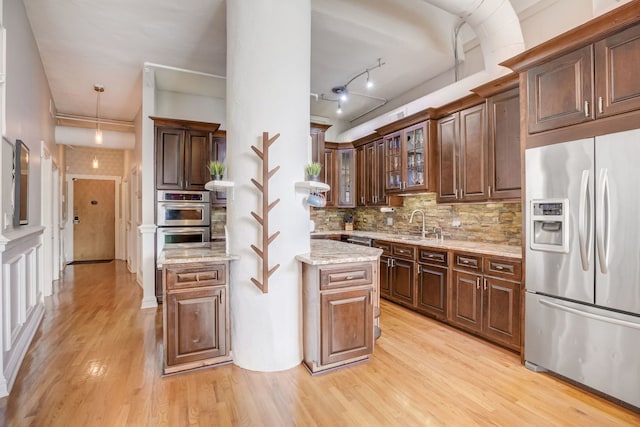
(174, 230)
(174, 205)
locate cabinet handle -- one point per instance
(370, 296)
(489, 191)
(498, 267)
(348, 278)
(478, 282)
(197, 277)
(485, 284)
(600, 104)
(586, 108)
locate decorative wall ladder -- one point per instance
(266, 208)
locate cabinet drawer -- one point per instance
(341, 276)
(432, 257)
(404, 251)
(195, 276)
(468, 262)
(507, 268)
(385, 246)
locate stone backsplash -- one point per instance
(479, 222)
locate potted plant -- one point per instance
(216, 169)
(313, 171)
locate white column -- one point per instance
(268, 72)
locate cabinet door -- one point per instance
(345, 178)
(317, 144)
(417, 158)
(504, 145)
(361, 176)
(196, 325)
(473, 153)
(328, 175)
(169, 158)
(346, 324)
(402, 282)
(448, 158)
(196, 170)
(502, 311)
(432, 290)
(467, 300)
(371, 180)
(617, 64)
(219, 153)
(377, 175)
(393, 162)
(560, 92)
(385, 276)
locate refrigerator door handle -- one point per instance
(590, 315)
(585, 223)
(604, 223)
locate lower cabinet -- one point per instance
(340, 302)
(432, 290)
(484, 303)
(195, 316)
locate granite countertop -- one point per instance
(494, 249)
(195, 252)
(334, 252)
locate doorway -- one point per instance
(94, 220)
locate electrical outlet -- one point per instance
(456, 223)
(389, 221)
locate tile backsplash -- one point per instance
(499, 222)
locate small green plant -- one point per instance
(313, 169)
(216, 168)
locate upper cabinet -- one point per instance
(219, 153)
(182, 153)
(409, 155)
(370, 173)
(346, 179)
(583, 82)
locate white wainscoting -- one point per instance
(21, 298)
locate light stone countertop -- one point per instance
(334, 252)
(195, 252)
(483, 248)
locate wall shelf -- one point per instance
(219, 185)
(313, 186)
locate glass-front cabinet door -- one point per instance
(346, 178)
(393, 162)
(415, 172)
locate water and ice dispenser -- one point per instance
(549, 225)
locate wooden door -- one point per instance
(402, 282)
(169, 158)
(467, 300)
(501, 317)
(346, 324)
(196, 324)
(385, 276)
(94, 219)
(448, 158)
(560, 92)
(617, 63)
(196, 167)
(473, 153)
(361, 176)
(432, 290)
(504, 145)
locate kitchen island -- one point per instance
(195, 312)
(341, 304)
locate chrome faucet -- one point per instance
(424, 231)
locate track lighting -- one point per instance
(342, 92)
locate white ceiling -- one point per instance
(84, 42)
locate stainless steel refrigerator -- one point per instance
(583, 262)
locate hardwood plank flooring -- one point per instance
(96, 360)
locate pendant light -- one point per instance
(99, 89)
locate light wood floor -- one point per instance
(96, 360)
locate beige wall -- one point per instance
(480, 222)
(79, 161)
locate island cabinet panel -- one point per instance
(617, 63)
(195, 315)
(196, 321)
(347, 322)
(560, 91)
(341, 303)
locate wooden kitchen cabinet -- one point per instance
(195, 316)
(486, 297)
(218, 153)
(182, 150)
(362, 175)
(328, 175)
(345, 178)
(385, 268)
(432, 275)
(339, 306)
(370, 173)
(397, 272)
(407, 159)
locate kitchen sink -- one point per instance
(413, 238)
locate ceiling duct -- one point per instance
(86, 137)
